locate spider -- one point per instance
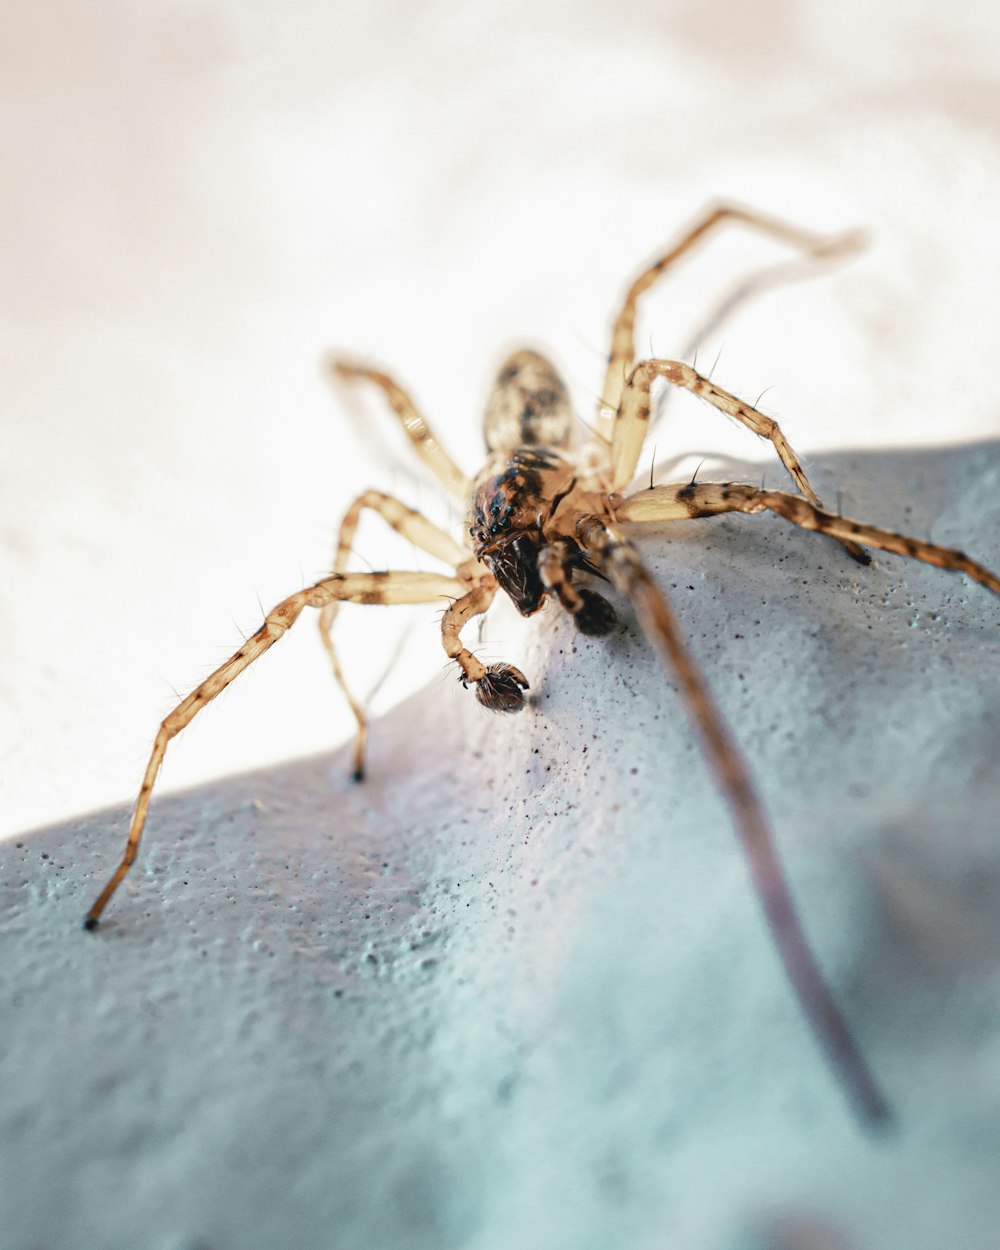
(548, 509)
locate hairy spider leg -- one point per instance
(554, 570)
(417, 529)
(389, 587)
(417, 430)
(622, 356)
(498, 686)
(591, 612)
(704, 499)
(633, 421)
(629, 575)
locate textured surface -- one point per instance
(515, 991)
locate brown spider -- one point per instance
(543, 511)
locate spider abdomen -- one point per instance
(527, 405)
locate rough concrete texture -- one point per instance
(515, 991)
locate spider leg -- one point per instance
(631, 578)
(630, 429)
(353, 587)
(418, 530)
(499, 686)
(703, 499)
(427, 446)
(591, 612)
(622, 355)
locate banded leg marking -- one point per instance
(413, 526)
(703, 499)
(498, 687)
(354, 587)
(591, 612)
(630, 430)
(417, 430)
(622, 355)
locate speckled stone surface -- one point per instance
(515, 990)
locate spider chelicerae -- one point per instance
(547, 509)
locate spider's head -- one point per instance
(513, 561)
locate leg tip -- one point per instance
(838, 246)
(878, 1117)
(358, 774)
(339, 367)
(90, 923)
(596, 617)
(501, 689)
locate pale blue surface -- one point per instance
(512, 993)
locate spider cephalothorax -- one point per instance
(526, 501)
(540, 513)
(517, 533)
(511, 502)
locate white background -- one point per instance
(198, 200)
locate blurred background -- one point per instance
(200, 199)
